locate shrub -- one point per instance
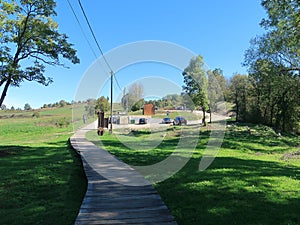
(36, 115)
(63, 122)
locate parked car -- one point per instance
(166, 120)
(179, 120)
(142, 121)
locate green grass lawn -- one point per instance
(42, 180)
(255, 179)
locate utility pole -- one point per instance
(123, 99)
(111, 101)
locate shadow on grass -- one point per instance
(145, 155)
(242, 191)
(234, 191)
(265, 142)
(136, 157)
(40, 185)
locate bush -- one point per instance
(63, 122)
(36, 115)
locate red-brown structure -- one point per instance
(149, 110)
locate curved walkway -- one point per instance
(116, 193)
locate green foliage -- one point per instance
(173, 101)
(196, 84)
(36, 115)
(138, 105)
(27, 107)
(195, 80)
(274, 66)
(237, 94)
(274, 95)
(29, 36)
(281, 43)
(283, 23)
(62, 122)
(216, 88)
(102, 104)
(62, 103)
(90, 108)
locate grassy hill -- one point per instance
(42, 181)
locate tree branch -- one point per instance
(51, 63)
(2, 81)
(21, 35)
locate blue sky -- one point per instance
(218, 30)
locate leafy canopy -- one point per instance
(195, 80)
(30, 40)
(281, 43)
(274, 67)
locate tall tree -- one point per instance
(29, 40)
(196, 84)
(273, 60)
(27, 106)
(102, 104)
(134, 95)
(237, 94)
(281, 43)
(274, 93)
(216, 89)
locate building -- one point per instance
(149, 110)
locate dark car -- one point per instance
(166, 120)
(142, 121)
(179, 120)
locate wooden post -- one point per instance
(111, 101)
(101, 123)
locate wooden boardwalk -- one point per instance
(116, 193)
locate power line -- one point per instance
(98, 45)
(82, 31)
(111, 71)
(117, 83)
(91, 29)
(94, 36)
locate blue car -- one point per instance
(179, 120)
(166, 120)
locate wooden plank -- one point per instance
(154, 219)
(160, 215)
(130, 198)
(127, 209)
(117, 222)
(123, 192)
(120, 205)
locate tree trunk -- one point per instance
(4, 91)
(237, 108)
(272, 115)
(203, 119)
